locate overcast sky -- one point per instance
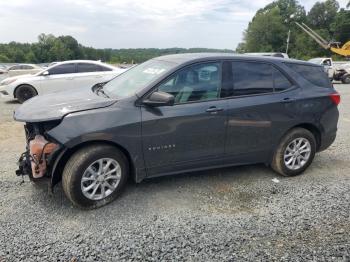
(132, 23)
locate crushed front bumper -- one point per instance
(24, 165)
(37, 161)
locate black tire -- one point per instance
(346, 79)
(278, 164)
(79, 162)
(25, 92)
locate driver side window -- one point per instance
(200, 82)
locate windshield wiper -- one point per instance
(99, 90)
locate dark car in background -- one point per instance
(176, 114)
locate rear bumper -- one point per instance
(327, 140)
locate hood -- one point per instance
(56, 106)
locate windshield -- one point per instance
(136, 78)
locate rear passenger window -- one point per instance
(62, 69)
(17, 67)
(251, 78)
(26, 67)
(86, 68)
(281, 83)
(314, 74)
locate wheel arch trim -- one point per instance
(67, 152)
(313, 128)
(23, 84)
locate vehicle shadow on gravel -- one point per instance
(12, 102)
(235, 185)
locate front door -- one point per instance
(192, 132)
(60, 78)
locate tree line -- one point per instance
(268, 30)
(50, 48)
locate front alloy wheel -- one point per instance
(95, 175)
(101, 178)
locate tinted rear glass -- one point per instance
(62, 69)
(252, 78)
(26, 67)
(86, 67)
(281, 82)
(314, 74)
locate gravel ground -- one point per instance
(230, 214)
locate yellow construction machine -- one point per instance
(333, 46)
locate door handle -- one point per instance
(214, 109)
(288, 100)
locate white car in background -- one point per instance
(23, 69)
(62, 76)
(327, 64)
(3, 69)
(273, 54)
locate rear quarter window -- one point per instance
(313, 74)
(87, 68)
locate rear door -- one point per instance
(191, 133)
(256, 110)
(60, 78)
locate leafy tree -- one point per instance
(340, 26)
(241, 48)
(4, 59)
(324, 17)
(266, 32)
(30, 57)
(304, 47)
(322, 14)
(289, 10)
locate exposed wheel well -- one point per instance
(14, 91)
(314, 130)
(310, 127)
(57, 173)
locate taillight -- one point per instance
(335, 98)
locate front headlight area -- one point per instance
(7, 81)
(4, 92)
(40, 152)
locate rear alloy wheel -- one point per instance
(346, 79)
(294, 153)
(25, 92)
(297, 153)
(95, 175)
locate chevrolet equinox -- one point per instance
(175, 114)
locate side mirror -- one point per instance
(159, 98)
(45, 73)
